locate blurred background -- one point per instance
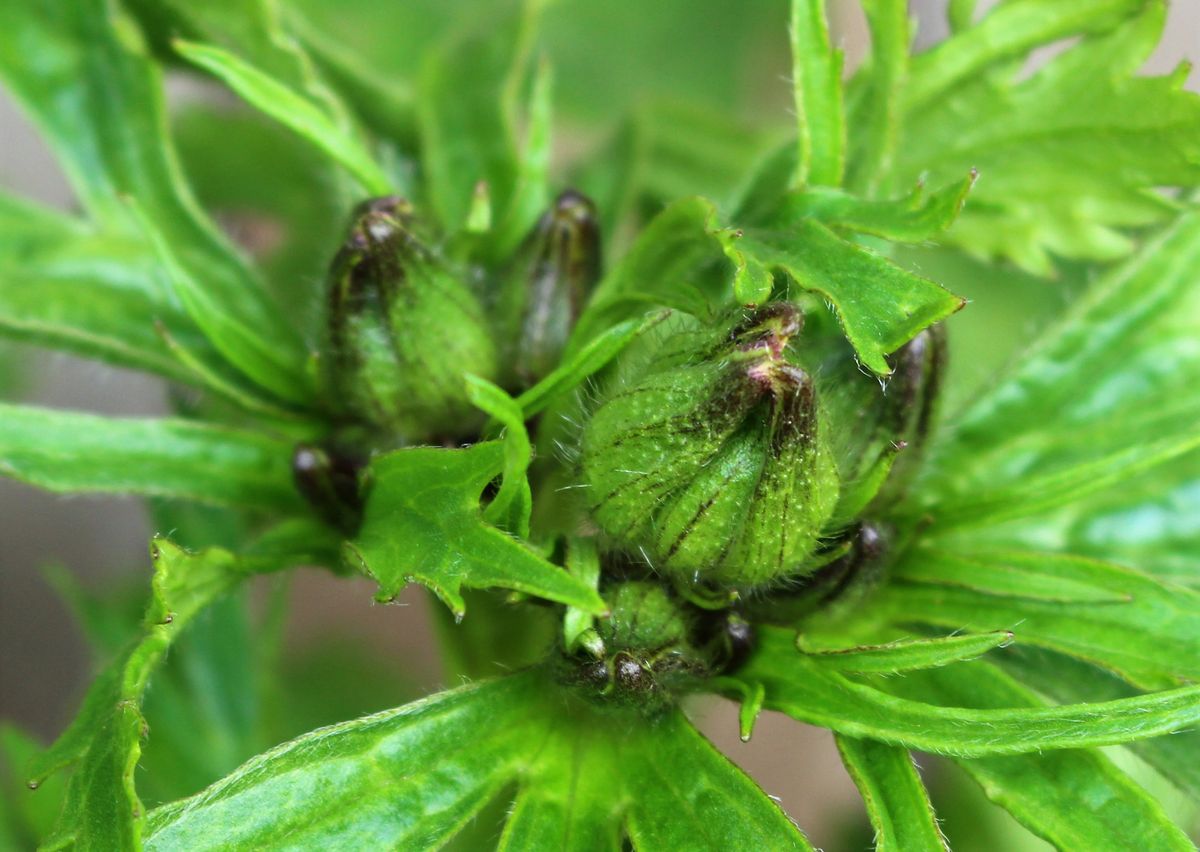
(706, 59)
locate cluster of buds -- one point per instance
(733, 455)
(652, 644)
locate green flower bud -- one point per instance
(403, 329)
(713, 460)
(554, 271)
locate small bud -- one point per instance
(555, 269)
(403, 329)
(712, 461)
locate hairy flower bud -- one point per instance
(554, 270)
(712, 461)
(403, 329)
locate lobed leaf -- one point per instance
(70, 451)
(1075, 798)
(1071, 155)
(896, 801)
(423, 523)
(413, 777)
(810, 693)
(880, 305)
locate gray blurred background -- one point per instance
(44, 663)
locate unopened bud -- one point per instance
(554, 270)
(712, 461)
(403, 329)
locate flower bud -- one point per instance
(403, 329)
(713, 460)
(555, 268)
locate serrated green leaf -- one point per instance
(71, 451)
(291, 109)
(875, 99)
(1069, 156)
(914, 219)
(102, 810)
(896, 801)
(1075, 799)
(1148, 632)
(880, 305)
(811, 693)
(413, 777)
(905, 655)
(466, 114)
(78, 68)
(423, 524)
(817, 92)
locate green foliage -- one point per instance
(1009, 584)
(404, 778)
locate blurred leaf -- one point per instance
(294, 111)
(49, 262)
(875, 98)
(413, 777)
(381, 101)
(77, 67)
(809, 692)
(1067, 156)
(265, 183)
(26, 815)
(423, 524)
(1146, 631)
(880, 305)
(466, 112)
(531, 182)
(906, 655)
(71, 451)
(1076, 799)
(896, 800)
(663, 151)
(102, 810)
(817, 88)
